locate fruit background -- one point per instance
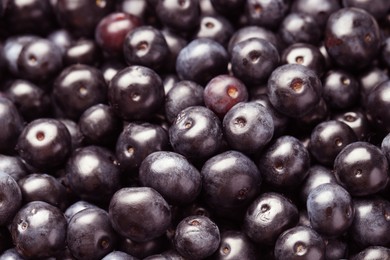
(194, 129)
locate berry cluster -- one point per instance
(195, 129)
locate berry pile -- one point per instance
(195, 129)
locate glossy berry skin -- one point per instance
(61, 38)
(223, 92)
(268, 216)
(39, 230)
(377, 106)
(32, 101)
(340, 89)
(82, 17)
(266, 13)
(13, 166)
(90, 234)
(196, 133)
(362, 169)
(248, 127)
(352, 38)
(169, 82)
(140, 214)
(253, 31)
(100, 125)
(12, 48)
(11, 198)
(77, 138)
(170, 174)
(77, 88)
(280, 120)
(135, 93)
(317, 175)
(357, 120)
(378, 10)
(370, 79)
(43, 187)
(83, 51)
(176, 43)
(385, 147)
(328, 139)
(231, 181)
(216, 28)
(299, 28)
(319, 9)
(235, 245)
(330, 209)
(201, 60)
(137, 141)
(110, 68)
(11, 254)
(93, 173)
(294, 89)
(44, 143)
(372, 252)
(196, 237)
(77, 207)
(3, 63)
(12, 123)
(170, 254)
(111, 31)
(178, 15)
(300, 243)
(371, 223)
(39, 60)
(182, 95)
(284, 164)
(328, 62)
(137, 8)
(253, 60)
(145, 46)
(116, 255)
(305, 54)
